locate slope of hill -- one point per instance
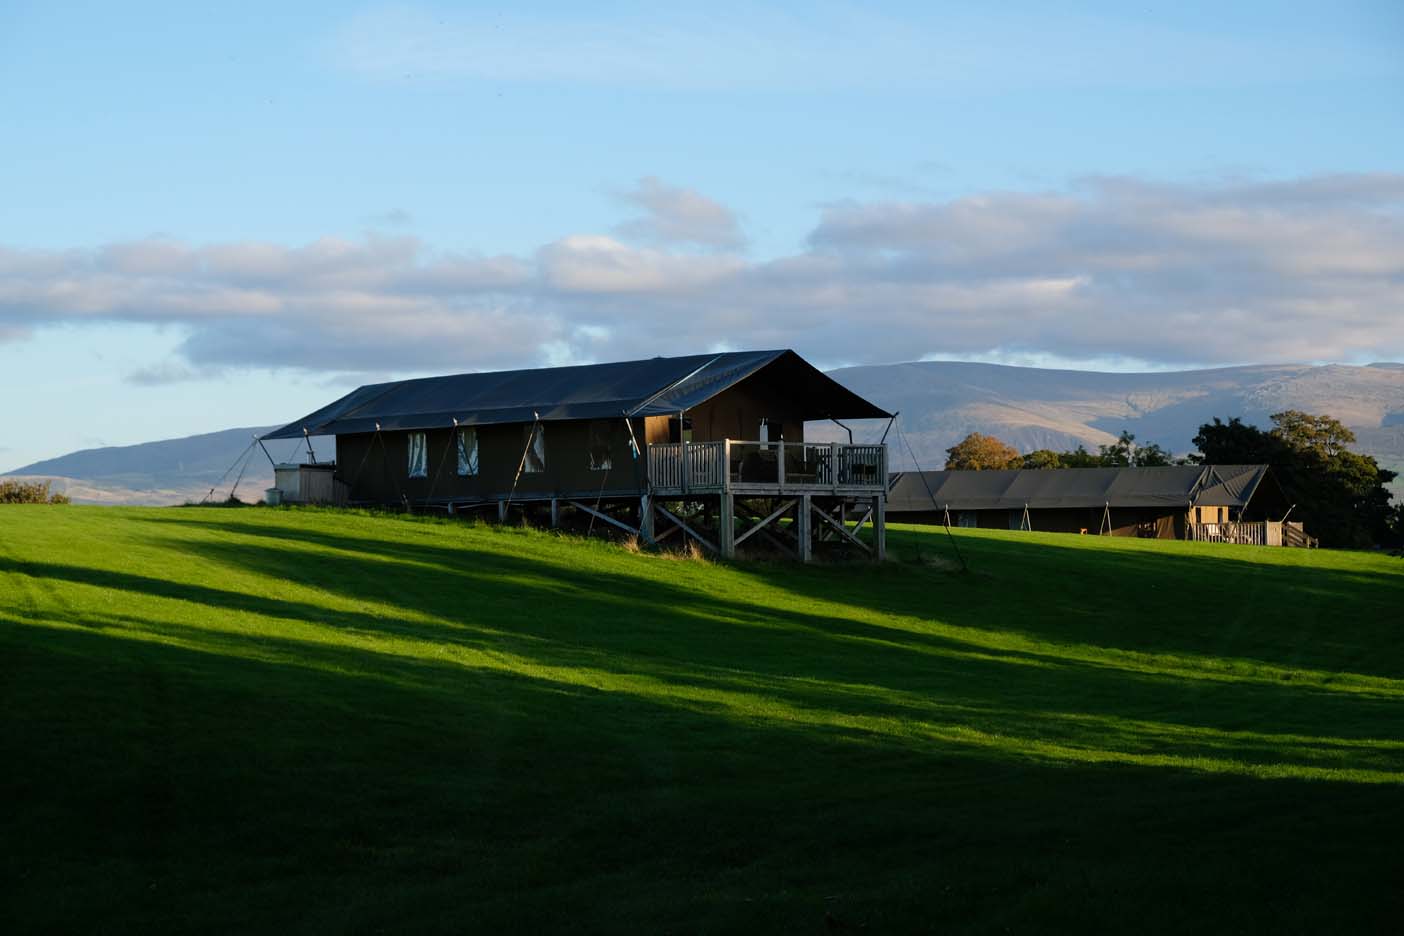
(942, 401)
(165, 472)
(258, 720)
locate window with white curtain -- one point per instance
(534, 436)
(467, 452)
(418, 456)
(601, 435)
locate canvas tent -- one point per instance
(1157, 502)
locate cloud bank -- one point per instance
(1299, 270)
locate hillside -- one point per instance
(254, 720)
(939, 404)
(942, 401)
(169, 471)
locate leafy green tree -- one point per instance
(1340, 495)
(1322, 435)
(1079, 458)
(1123, 453)
(1151, 455)
(1042, 459)
(1120, 454)
(979, 452)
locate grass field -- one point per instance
(243, 720)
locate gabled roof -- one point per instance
(657, 386)
(1180, 485)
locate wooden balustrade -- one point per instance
(731, 465)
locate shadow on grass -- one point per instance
(676, 646)
(333, 787)
(436, 737)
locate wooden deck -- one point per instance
(767, 468)
(1263, 533)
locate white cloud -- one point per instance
(1231, 272)
(593, 264)
(674, 215)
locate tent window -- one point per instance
(467, 452)
(601, 458)
(534, 437)
(418, 456)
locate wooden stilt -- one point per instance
(646, 518)
(804, 529)
(726, 533)
(880, 526)
(555, 513)
(502, 511)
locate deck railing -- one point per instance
(1244, 534)
(695, 467)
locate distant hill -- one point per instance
(166, 472)
(940, 402)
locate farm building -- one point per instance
(1233, 503)
(691, 446)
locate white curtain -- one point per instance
(536, 450)
(467, 452)
(418, 457)
(600, 457)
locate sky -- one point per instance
(223, 217)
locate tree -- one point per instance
(1323, 435)
(1152, 455)
(1120, 454)
(1124, 453)
(979, 452)
(1042, 459)
(1079, 458)
(1340, 495)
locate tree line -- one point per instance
(980, 452)
(1339, 494)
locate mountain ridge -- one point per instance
(940, 402)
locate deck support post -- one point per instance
(726, 527)
(555, 513)
(646, 518)
(502, 511)
(804, 529)
(880, 526)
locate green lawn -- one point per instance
(246, 720)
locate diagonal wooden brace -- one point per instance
(823, 515)
(602, 516)
(684, 527)
(760, 524)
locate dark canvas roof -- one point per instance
(1210, 485)
(656, 386)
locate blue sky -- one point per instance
(225, 218)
